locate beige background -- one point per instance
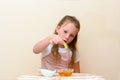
(24, 22)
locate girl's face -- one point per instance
(67, 31)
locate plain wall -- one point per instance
(24, 22)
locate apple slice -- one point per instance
(66, 45)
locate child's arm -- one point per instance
(41, 45)
(77, 67)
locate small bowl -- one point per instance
(47, 73)
(65, 72)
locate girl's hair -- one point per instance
(72, 44)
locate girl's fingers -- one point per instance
(57, 40)
(51, 42)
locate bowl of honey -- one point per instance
(65, 72)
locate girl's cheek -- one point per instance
(70, 40)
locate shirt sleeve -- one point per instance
(77, 58)
(46, 51)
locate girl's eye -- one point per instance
(65, 31)
(72, 35)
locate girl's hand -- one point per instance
(56, 39)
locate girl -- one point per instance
(54, 53)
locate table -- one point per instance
(75, 76)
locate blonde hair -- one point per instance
(72, 44)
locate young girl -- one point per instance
(54, 54)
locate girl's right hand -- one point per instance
(56, 39)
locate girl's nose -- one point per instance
(67, 36)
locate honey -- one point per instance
(65, 73)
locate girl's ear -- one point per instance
(57, 28)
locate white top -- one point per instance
(75, 76)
